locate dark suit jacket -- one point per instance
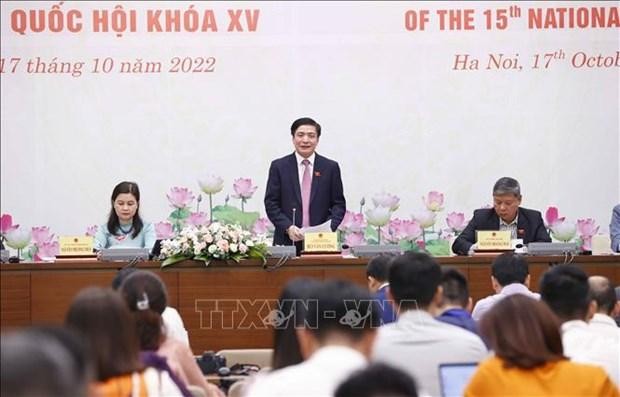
(283, 193)
(385, 306)
(530, 228)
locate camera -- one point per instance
(210, 362)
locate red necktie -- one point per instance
(306, 184)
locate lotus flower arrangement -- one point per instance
(378, 216)
(210, 185)
(180, 198)
(164, 230)
(216, 241)
(243, 190)
(91, 230)
(433, 201)
(586, 228)
(402, 231)
(44, 247)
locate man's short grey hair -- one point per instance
(507, 185)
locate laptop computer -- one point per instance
(453, 378)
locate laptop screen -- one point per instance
(455, 377)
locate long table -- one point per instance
(223, 305)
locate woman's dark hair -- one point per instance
(147, 298)
(523, 332)
(293, 303)
(113, 222)
(105, 321)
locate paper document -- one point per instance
(323, 227)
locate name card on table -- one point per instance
(321, 242)
(75, 245)
(490, 240)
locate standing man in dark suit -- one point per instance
(304, 188)
(505, 215)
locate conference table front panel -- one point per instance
(224, 305)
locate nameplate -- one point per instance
(321, 242)
(493, 240)
(75, 245)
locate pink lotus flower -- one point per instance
(262, 226)
(586, 243)
(164, 230)
(41, 234)
(47, 250)
(355, 239)
(433, 201)
(180, 197)
(243, 188)
(91, 230)
(403, 229)
(587, 227)
(197, 218)
(386, 200)
(6, 224)
(552, 216)
(456, 221)
(426, 218)
(352, 222)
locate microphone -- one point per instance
(294, 211)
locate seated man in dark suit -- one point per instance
(304, 188)
(505, 215)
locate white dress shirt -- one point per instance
(585, 344)
(319, 376)
(418, 344)
(485, 304)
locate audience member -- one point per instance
(602, 324)
(146, 297)
(509, 275)
(416, 342)
(455, 305)
(125, 227)
(173, 323)
(378, 380)
(616, 312)
(614, 229)
(524, 335)
(565, 289)
(336, 340)
(102, 317)
(293, 303)
(506, 214)
(44, 362)
(377, 273)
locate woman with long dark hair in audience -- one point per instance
(294, 300)
(529, 361)
(105, 321)
(125, 227)
(147, 297)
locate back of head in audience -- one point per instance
(103, 318)
(415, 281)
(523, 332)
(602, 292)
(565, 289)
(44, 361)
(509, 268)
(147, 298)
(378, 270)
(378, 380)
(293, 303)
(121, 275)
(455, 289)
(344, 315)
